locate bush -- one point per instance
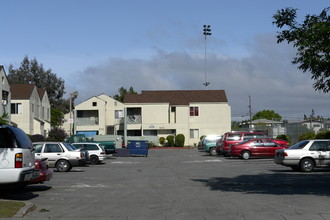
(283, 137)
(162, 140)
(151, 144)
(170, 140)
(57, 134)
(323, 135)
(179, 140)
(37, 138)
(306, 136)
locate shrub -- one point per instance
(179, 140)
(151, 144)
(202, 137)
(170, 140)
(283, 137)
(306, 136)
(162, 140)
(323, 135)
(57, 134)
(37, 138)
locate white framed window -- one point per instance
(194, 133)
(193, 111)
(119, 114)
(16, 108)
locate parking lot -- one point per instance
(181, 184)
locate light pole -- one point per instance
(72, 96)
(206, 32)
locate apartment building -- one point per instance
(6, 96)
(30, 109)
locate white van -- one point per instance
(16, 156)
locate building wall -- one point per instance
(4, 86)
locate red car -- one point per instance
(41, 172)
(235, 137)
(255, 148)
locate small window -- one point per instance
(193, 111)
(52, 148)
(173, 109)
(94, 104)
(119, 114)
(194, 133)
(16, 108)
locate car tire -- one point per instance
(246, 155)
(94, 160)
(213, 152)
(307, 165)
(63, 166)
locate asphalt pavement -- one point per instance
(180, 184)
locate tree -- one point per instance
(311, 38)
(31, 72)
(267, 114)
(122, 93)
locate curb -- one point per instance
(24, 210)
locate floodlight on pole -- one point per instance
(206, 32)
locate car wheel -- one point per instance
(63, 166)
(245, 155)
(307, 165)
(213, 152)
(94, 160)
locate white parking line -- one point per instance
(204, 161)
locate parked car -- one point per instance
(235, 137)
(255, 148)
(96, 151)
(209, 144)
(62, 156)
(16, 156)
(305, 155)
(44, 173)
(108, 143)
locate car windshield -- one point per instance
(69, 147)
(299, 145)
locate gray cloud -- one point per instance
(266, 75)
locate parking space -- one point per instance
(181, 184)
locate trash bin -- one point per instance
(138, 147)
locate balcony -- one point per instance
(134, 119)
(87, 121)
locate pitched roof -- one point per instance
(177, 97)
(41, 92)
(21, 91)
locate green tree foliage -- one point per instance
(57, 134)
(267, 114)
(122, 93)
(311, 38)
(31, 72)
(283, 137)
(179, 140)
(4, 119)
(306, 136)
(323, 135)
(162, 140)
(57, 116)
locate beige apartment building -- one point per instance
(192, 113)
(6, 96)
(30, 109)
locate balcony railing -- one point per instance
(87, 121)
(134, 119)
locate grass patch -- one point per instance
(10, 208)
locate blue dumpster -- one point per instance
(138, 147)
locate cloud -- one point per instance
(266, 75)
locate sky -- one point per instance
(98, 46)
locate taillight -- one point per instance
(19, 160)
(102, 152)
(285, 154)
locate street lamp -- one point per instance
(72, 96)
(206, 32)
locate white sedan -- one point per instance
(305, 155)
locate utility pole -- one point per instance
(207, 32)
(250, 112)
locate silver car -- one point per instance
(305, 155)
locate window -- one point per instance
(234, 137)
(94, 104)
(194, 133)
(119, 114)
(173, 109)
(53, 148)
(193, 111)
(16, 108)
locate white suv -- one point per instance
(96, 151)
(16, 156)
(305, 155)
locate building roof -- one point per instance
(21, 91)
(41, 92)
(177, 97)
